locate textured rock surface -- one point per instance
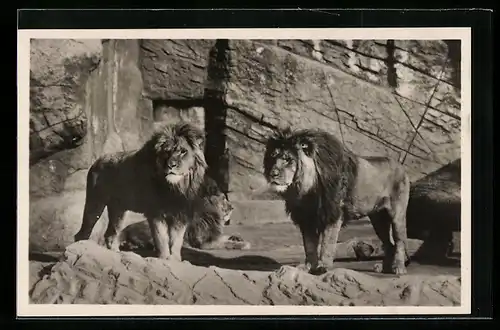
(411, 67)
(265, 86)
(117, 118)
(59, 70)
(175, 69)
(88, 273)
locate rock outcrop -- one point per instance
(90, 274)
(59, 70)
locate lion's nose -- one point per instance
(171, 164)
(274, 173)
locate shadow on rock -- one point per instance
(205, 259)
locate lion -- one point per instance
(162, 180)
(204, 231)
(324, 185)
(434, 212)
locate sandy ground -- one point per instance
(276, 244)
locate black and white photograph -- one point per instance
(244, 171)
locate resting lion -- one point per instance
(204, 231)
(324, 186)
(162, 180)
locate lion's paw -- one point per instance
(378, 267)
(235, 242)
(235, 238)
(399, 270)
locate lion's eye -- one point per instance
(183, 151)
(304, 146)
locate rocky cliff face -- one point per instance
(398, 100)
(89, 97)
(86, 100)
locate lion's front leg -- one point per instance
(399, 236)
(116, 224)
(159, 232)
(176, 235)
(310, 239)
(399, 206)
(327, 247)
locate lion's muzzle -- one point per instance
(172, 164)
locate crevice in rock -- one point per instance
(257, 120)
(216, 152)
(455, 58)
(246, 135)
(392, 77)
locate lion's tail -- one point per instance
(95, 202)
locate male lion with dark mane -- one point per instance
(162, 180)
(324, 185)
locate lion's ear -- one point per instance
(199, 141)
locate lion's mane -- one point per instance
(334, 174)
(153, 150)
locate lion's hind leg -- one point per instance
(398, 206)
(95, 202)
(381, 222)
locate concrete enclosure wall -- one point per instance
(89, 97)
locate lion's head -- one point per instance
(289, 161)
(222, 206)
(300, 159)
(179, 155)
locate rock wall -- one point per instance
(389, 97)
(398, 98)
(90, 92)
(89, 97)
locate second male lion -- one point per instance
(161, 180)
(324, 186)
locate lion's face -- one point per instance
(179, 153)
(177, 160)
(289, 161)
(281, 168)
(224, 208)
